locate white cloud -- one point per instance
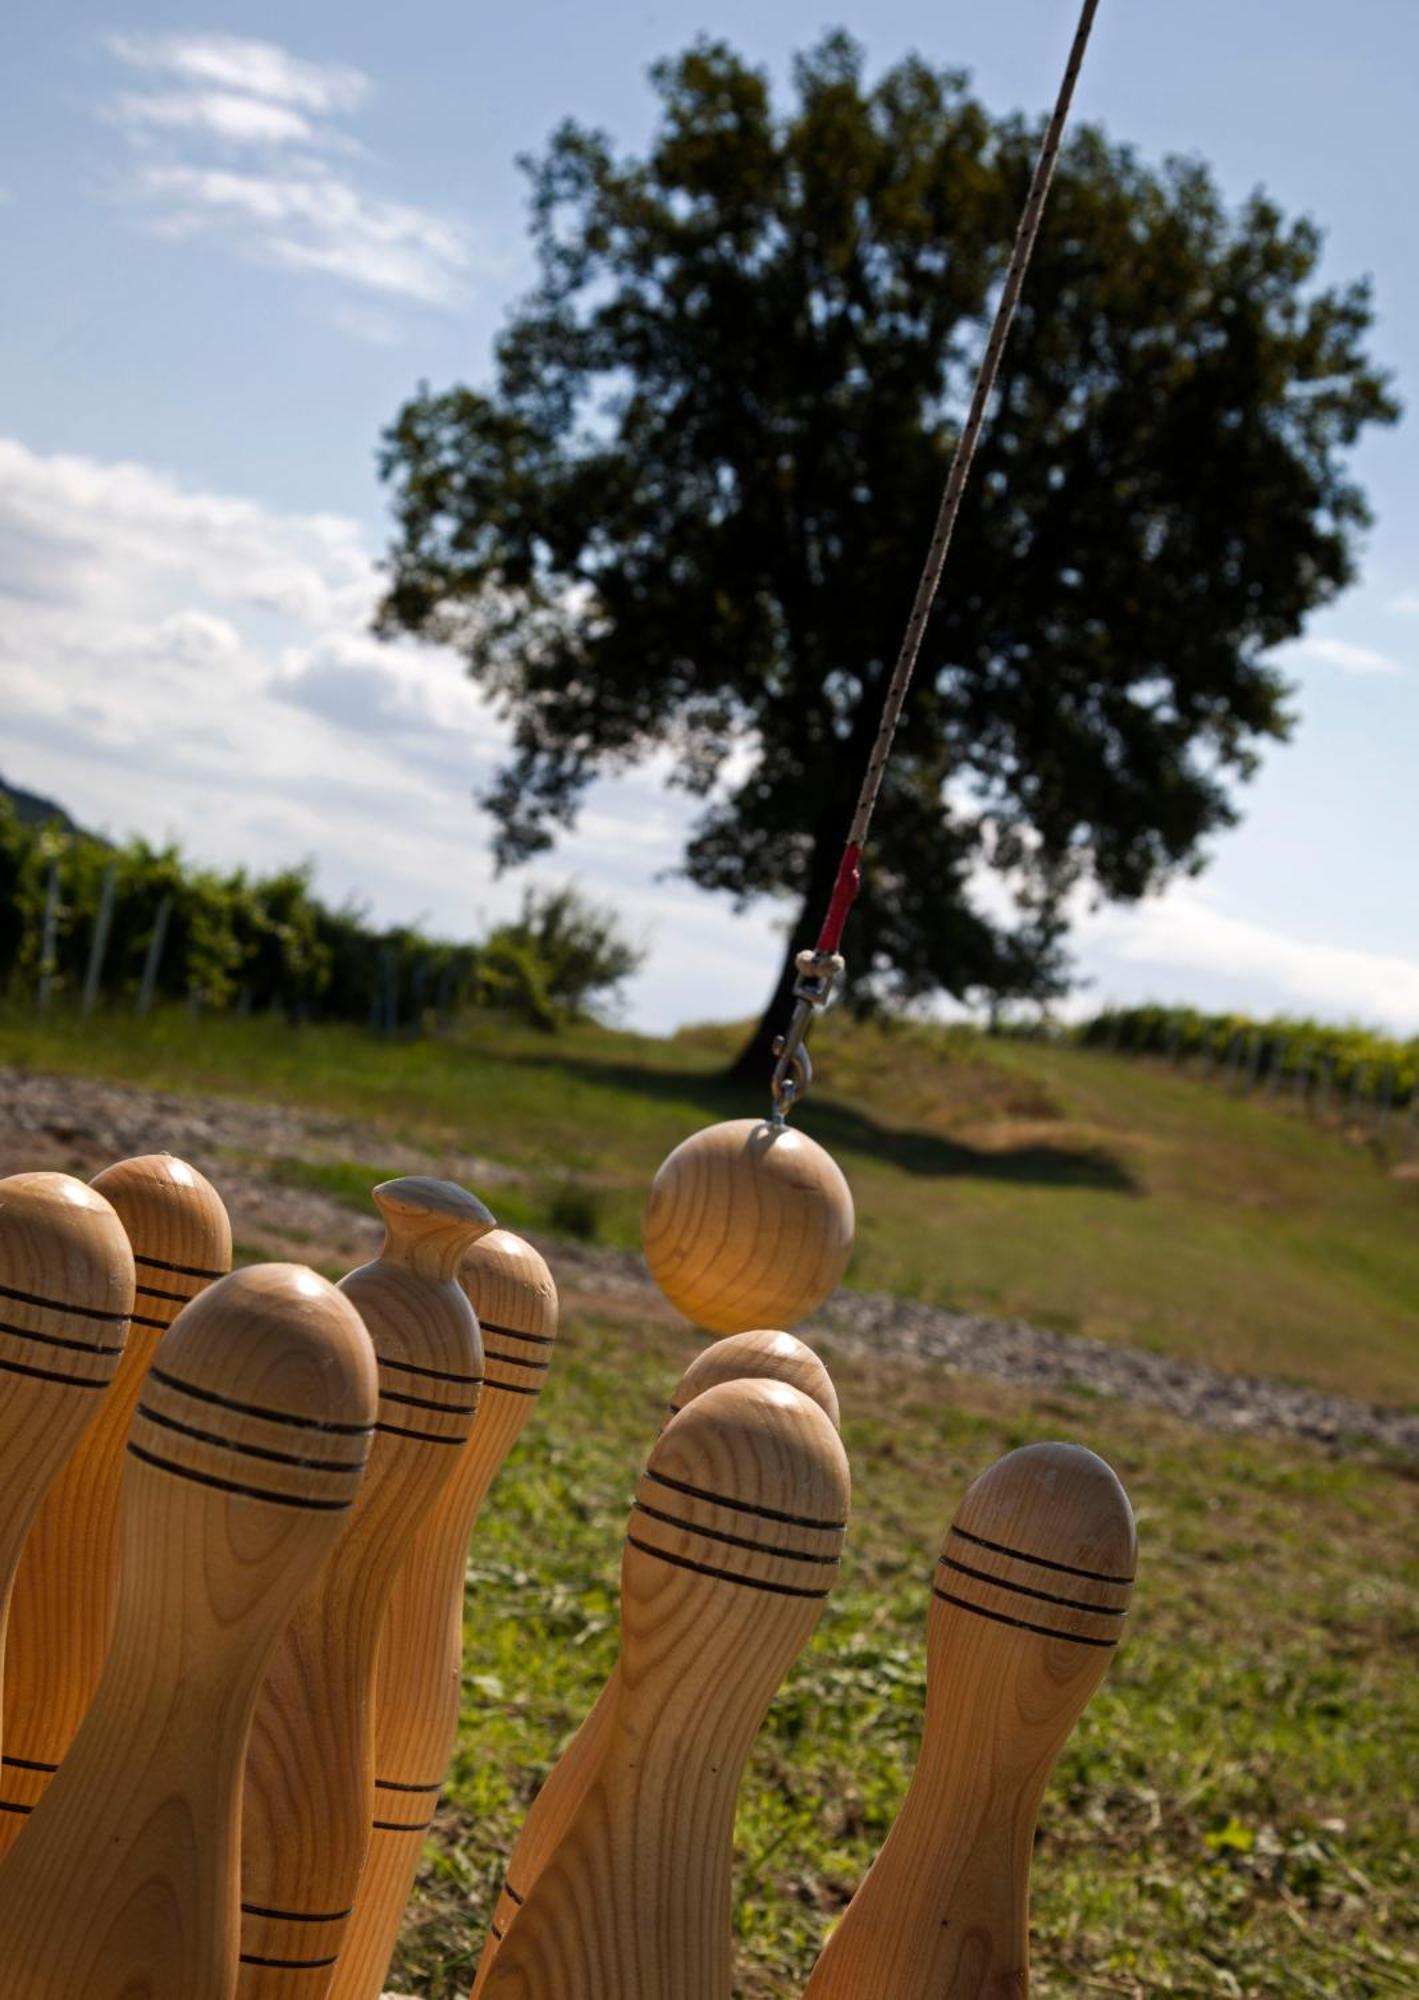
(219, 114)
(190, 665)
(1407, 603)
(233, 143)
(1349, 658)
(255, 69)
(1217, 959)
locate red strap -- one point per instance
(844, 896)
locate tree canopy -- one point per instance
(689, 512)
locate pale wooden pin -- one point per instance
(310, 1770)
(732, 1548)
(245, 1455)
(763, 1355)
(66, 1295)
(748, 1224)
(421, 1649)
(66, 1592)
(1029, 1601)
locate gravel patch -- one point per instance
(79, 1125)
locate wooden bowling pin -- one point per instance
(310, 1769)
(732, 1548)
(419, 1680)
(1029, 1602)
(748, 1224)
(66, 1294)
(764, 1356)
(245, 1455)
(66, 1591)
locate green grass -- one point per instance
(1231, 1816)
(1085, 1192)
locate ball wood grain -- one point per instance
(308, 1799)
(66, 1592)
(1028, 1605)
(66, 1295)
(732, 1548)
(763, 1355)
(748, 1225)
(245, 1456)
(419, 1680)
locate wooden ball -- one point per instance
(748, 1225)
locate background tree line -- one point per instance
(256, 942)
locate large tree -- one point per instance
(689, 514)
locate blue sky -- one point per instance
(233, 240)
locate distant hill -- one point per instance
(33, 810)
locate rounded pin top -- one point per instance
(1045, 1542)
(429, 1224)
(512, 1291)
(748, 1225)
(179, 1230)
(749, 1485)
(279, 1338)
(63, 1250)
(765, 1354)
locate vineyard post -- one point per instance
(1174, 1039)
(49, 937)
(1280, 1056)
(1386, 1096)
(1258, 1043)
(1320, 1100)
(1359, 1076)
(103, 923)
(149, 983)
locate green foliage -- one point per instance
(257, 943)
(1283, 1051)
(687, 516)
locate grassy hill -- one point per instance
(1082, 1191)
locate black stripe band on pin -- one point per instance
(401, 1826)
(516, 1360)
(233, 1486)
(514, 1388)
(28, 1764)
(1021, 1624)
(58, 1340)
(1040, 1562)
(430, 1374)
(174, 1298)
(256, 1409)
(59, 1306)
(251, 1450)
(725, 1575)
(431, 1403)
(745, 1506)
(1023, 1590)
(298, 1916)
(7, 1806)
(516, 1894)
(734, 1541)
(498, 1933)
(393, 1785)
(178, 1270)
(424, 1437)
(516, 1333)
(48, 1375)
(289, 1964)
(161, 1325)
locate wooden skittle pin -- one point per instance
(66, 1295)
(245, 1455)
(1029, 1601)
(765, 1356)
(61, 1617)
(310, 1770)
(421, 1649)
(732, 1548)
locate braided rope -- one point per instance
(819, 968)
